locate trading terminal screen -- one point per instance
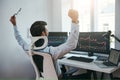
(57, 38)
(93, 42)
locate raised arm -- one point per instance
(72, 40)
(18, 37)
(73, 14)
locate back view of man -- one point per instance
(38, 28)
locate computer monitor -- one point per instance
(93, 42)
(57, 38)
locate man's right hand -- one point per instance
(13, 20)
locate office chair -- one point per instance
(42, 62)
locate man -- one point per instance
(38, 28)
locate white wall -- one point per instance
(14, 63)
(60, 15)
(57, 16)
(117, 30)
(117, 23)
(66, 21)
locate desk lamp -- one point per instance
(112, 35)
(116, 38)
(106, 35)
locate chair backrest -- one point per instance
(42, 63)
(44, 66)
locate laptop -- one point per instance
(113, 59)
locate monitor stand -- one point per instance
(90, 54)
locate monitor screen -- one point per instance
(93, 42)
(114, 56)
(57, 38)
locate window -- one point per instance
(105, 15)
(83, 6)
(95, 15)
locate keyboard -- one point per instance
(102, 58)
(82, 59)
(108, 64)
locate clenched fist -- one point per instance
(13, 20)
(73, 14)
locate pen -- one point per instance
(17, 12)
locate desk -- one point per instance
(89, 66)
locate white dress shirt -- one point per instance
(58, 51)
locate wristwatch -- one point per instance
(76, 22)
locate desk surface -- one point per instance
(84, 65)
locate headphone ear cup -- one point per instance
(39, 42)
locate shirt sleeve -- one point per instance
(69, 45)
(20, 40)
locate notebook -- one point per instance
(112, 61)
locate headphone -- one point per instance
(39, 42)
